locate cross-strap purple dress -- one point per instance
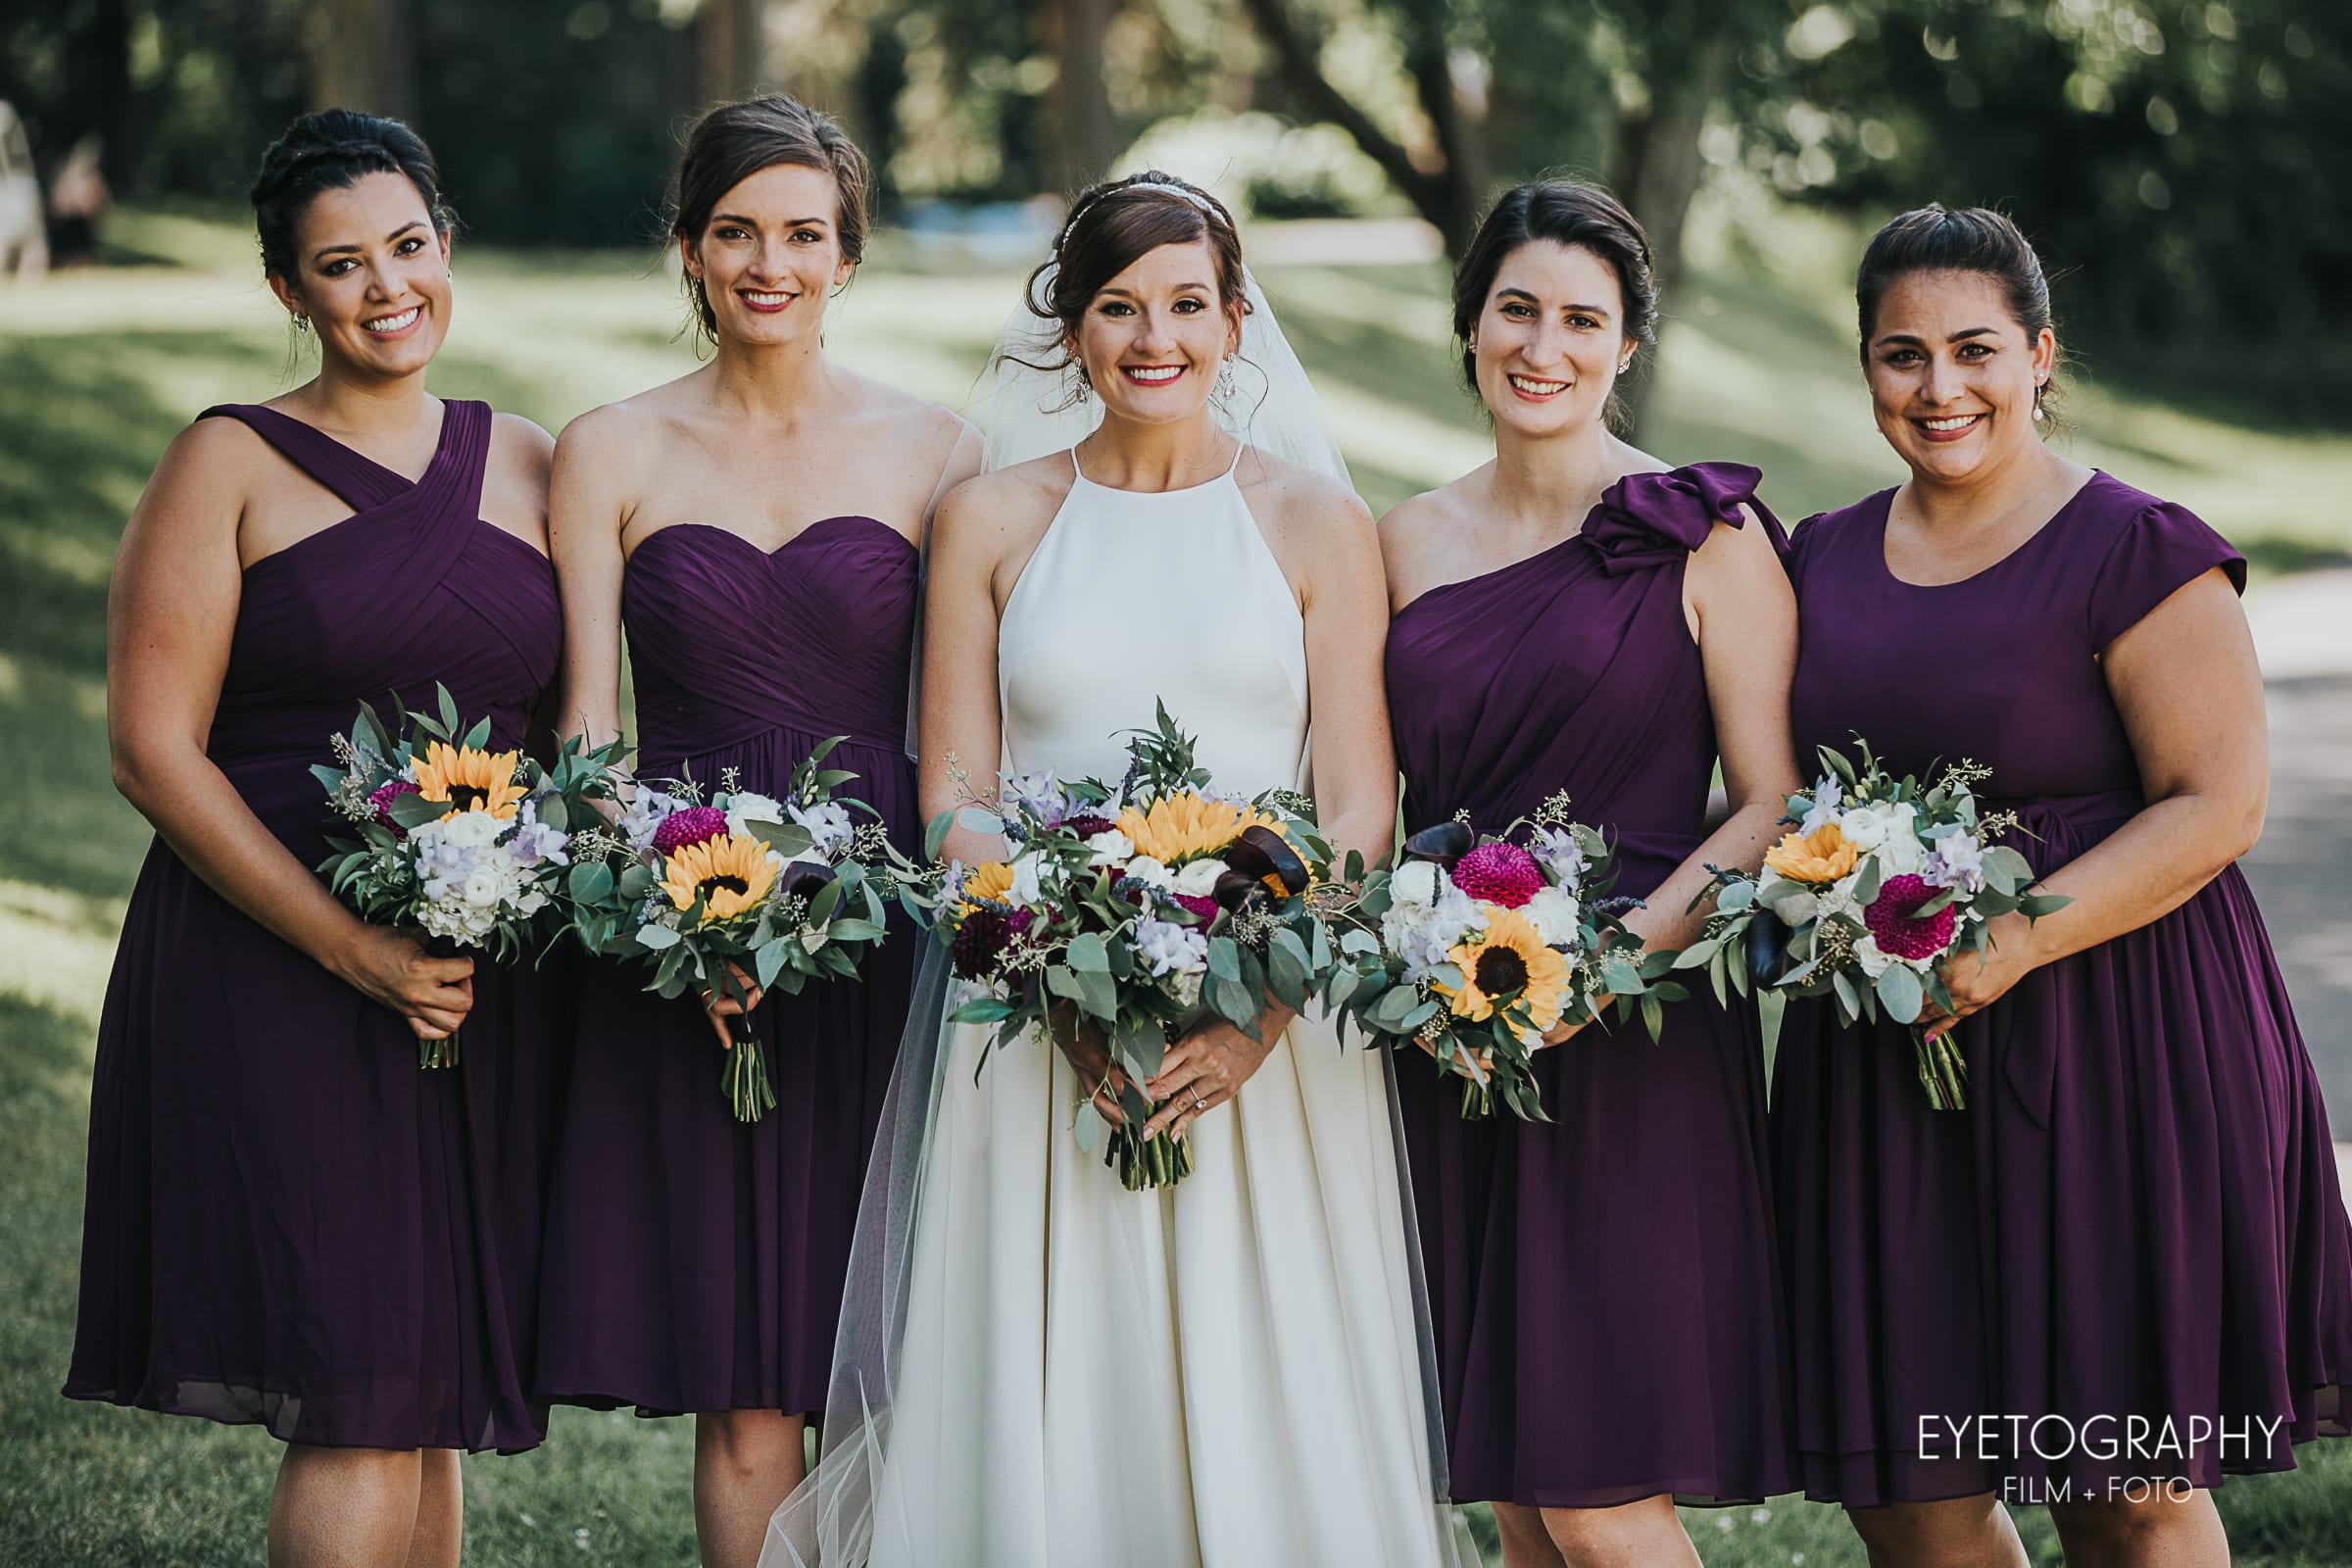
(288, 1222)
(1604, 1289)
(695, 1262)
(2137, 1214)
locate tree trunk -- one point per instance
(363, 57)
(730, 50)
(1088, 129)
(1659, 170)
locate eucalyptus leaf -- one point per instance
(1899, 990)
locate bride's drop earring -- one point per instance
(1225, 378)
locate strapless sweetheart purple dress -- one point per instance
(2137, 1217)
(288, 1222)
(696, 1262)
(1605, 1289)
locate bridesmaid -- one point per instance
(289, 1223)
(1574, 615)
(756, 526)
(2137, 1219)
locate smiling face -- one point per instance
(1154, 337)
(1550, 339)
(1952, 373)
(771, 254)
(372, 274)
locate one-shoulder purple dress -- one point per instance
(2137, 1217)
(695, 1262)
(288, 1222)
(1606, 1288)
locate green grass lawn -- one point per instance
(98, 371)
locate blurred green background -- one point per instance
(2178, 164)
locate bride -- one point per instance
(1038, 1366)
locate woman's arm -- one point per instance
(963, 736)
(590, 501)
(1343, 592)
(2189, 689)
(172, 612)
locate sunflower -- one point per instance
(1823, 856)
(1507, 957)
(1178, 827)
(988, 882)
(467, 779)
(729, 875)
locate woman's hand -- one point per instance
(394, 971)
(1559, 1034)
(1206, 1068)
(1980, 978)
(1088, 1049)
(718, 1009)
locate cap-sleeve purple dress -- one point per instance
(1605, 1289)
(2137, 1214)
(288, 1222)
(695, 1262)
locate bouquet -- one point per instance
(1140, 908)
(779, 890)
(1475, 948)
(459, 844)
(1881, 880)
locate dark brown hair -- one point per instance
(1968, 239)
(1110, 227)
(333, 149)
(735, 141)
(1566, 211)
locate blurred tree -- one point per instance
(731, 49)
(2178, 161)
(363, 55)
(1087, 131)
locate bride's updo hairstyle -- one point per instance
(1936, 238)
(334, 149)
(1113, 225)
(735, 141)
(1568, 212)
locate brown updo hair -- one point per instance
(1566, 211)
(1936, 238)
(733, 143)
(1113, 224)
(334, 149)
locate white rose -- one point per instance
(1110, 848)
(1874, 962)
(1901, 855)
(1152, 873)
(1415, 882)
(1198, 879)
(748, 805)
(1864, 827)
(1553, 913)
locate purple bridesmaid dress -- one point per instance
(288, 1222)
(695, 1262)
(1606, 1288)
(2137, 1219)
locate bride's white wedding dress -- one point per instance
(1226, 1373)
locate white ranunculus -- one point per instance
(1110, 848)
(1151, 874)
(484, 887)
(1901, 853)
(746, 807)
(1415, 882)
(1864, 827)
(1552, 912)
(1199, 878)
(1866, 953)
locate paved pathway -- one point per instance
(2302, 869)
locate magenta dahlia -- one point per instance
(691, 825)
(382, 797)
(1900, 933)
(1206, 909)
(1087, 824)
(1499, 873)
